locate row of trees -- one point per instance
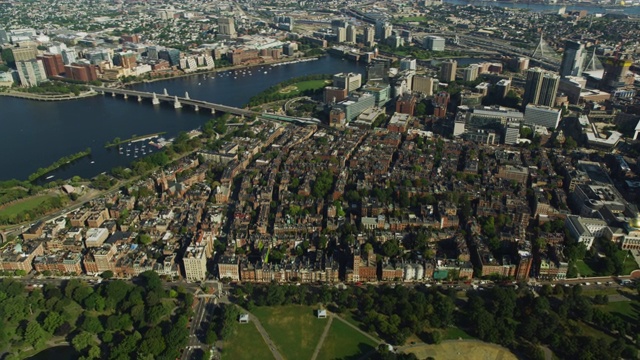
(56, 87)
(59, 163)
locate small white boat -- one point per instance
(49, 177)
(199, 84)
(265, 72)
(93, 162)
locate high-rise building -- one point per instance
(171, 55)
(502, 88)
(406, 104)
(434, 43)
(423, 85)
(542, 116)
(24, 53)
(541, 87)
(448, 70)
(153, 52)
(378, 71)
(615, 73)
(511, 133)
(81, 72)
(196, 256)
(348, 81)
(471, 72)
(387, 30)
(351, 34)
(289, 49)
(69, 56)
(341, 34)
(53, 64)
(355, 104)
(408, 64)
(226, 28)
(126, 59)
(31, 72)
(369, 36)
(572, 59)
(96, 56)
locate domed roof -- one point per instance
(635, 222)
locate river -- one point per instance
(34, 134)
(592, 9)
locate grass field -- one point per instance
(455, 333)
(299, 87)
(245, 343)
(583, 268)
(629, 262)
(462, 349)
(591, 331)
(23, 205)
(294, 329)
(343, 342)
(627, 310)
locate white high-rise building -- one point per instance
(351, 34)
(196, 256)
(542, 116)
(31, 72)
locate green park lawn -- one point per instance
(245, 343)
(629, 262)
(294, 329)
(343, 342)
(584, 269)
(23, 205)
(300, 87)
(627, 310)
(455, 333)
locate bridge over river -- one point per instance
(180, 101)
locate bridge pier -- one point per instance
(165, 92)
(213, 111)
(155, 100)
(125, 96)
(186, 95)
(139, 98)
(113, 94)
(176, 103)
(196, 108)
(102, 92)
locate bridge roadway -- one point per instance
(179, 101)
(182, 100)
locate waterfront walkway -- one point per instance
(48, 97)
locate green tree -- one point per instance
(82, 340)
(34, 335)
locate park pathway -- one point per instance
(267, 339)
(377, 341)
(324, 335)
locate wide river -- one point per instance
(34, 134)
(592, 9)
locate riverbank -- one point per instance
(61, 162)
(117, 141)
(44, 97)
(223, 69)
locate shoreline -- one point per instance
(222, 69)
(135, 139)
(41, 97)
